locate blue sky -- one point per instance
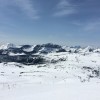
(70, 22)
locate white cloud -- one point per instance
(90, 26)
(65, 12)
(64, 8)
(93, 26)
(76, 23)
(25, 6)
(63, 4)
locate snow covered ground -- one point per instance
(69, 76)
(61, 91)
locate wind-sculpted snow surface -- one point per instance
(49, 72)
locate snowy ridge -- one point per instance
(35, 54)
(48, 48)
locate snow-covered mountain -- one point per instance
(33, 71)
(45, 48)
(34, 54)
(6, 46)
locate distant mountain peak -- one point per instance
(7, 46)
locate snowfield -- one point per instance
(64, 76)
